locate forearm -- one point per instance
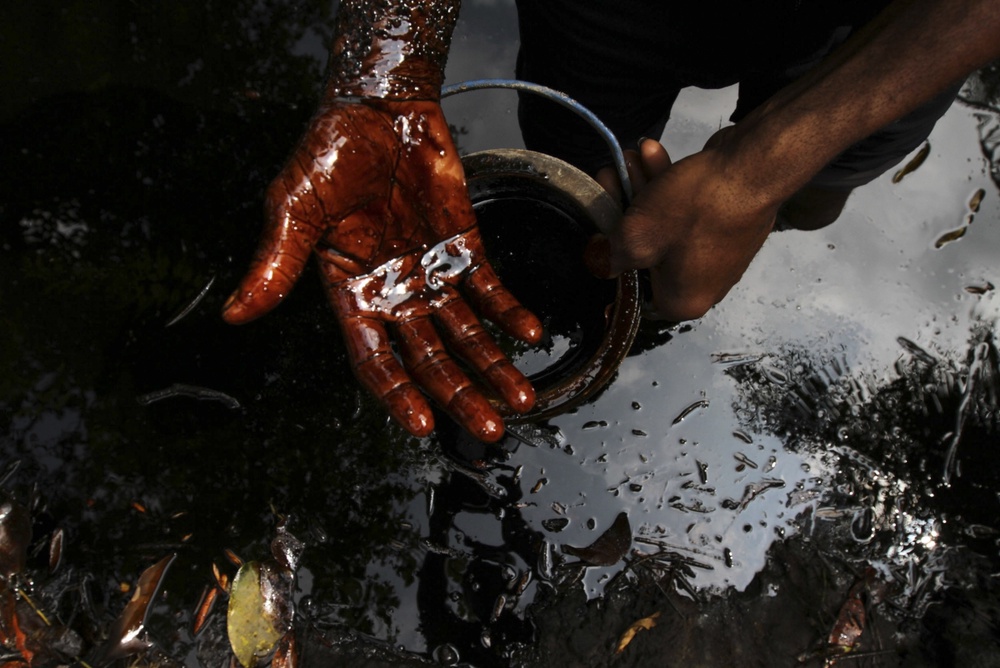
(912, 51)
(390, 49)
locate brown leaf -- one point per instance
(55, 550)
(126, 636)
(644, 624)
(287, 654)
(609, 548)
(15, 535)
(205, 605)
(913, 164)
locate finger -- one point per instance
(293, 228)
(608, 179)
(653, 158)
(429, 364)
(499, 306)
(473, 343)
(381, 373)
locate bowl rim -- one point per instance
(493, 173)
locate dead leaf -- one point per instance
(15, 535)
(126, 636)
(977, 199)
(205, 605)
(912, 165)
(644, 624)
(948, 237)
(287, 654)
(55, 550)
(258, 614)
(609, 548)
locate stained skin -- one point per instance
(375, 191)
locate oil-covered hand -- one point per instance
(376, 192)
(692, 224)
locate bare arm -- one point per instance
(699, 222)
(909, 53)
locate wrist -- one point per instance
(391, 50)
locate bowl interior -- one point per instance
(535, 215)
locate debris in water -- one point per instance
(258, 614)
(916, 351)
(702, 471)
(610, 546)
(194, 303)
(735, 359)
(977, 199)
(979, 289)
(556, 524)
(205, 605)
(193, 391)
(55, 550)
(914, 163)
(15, 535)
(952, 235)
(743, 436)
(644, 624)
(740, 457)
(127, 636)
(690, 409)
(753, 490)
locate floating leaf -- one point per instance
(286, 549)
(205, 605)
(609, 548)
(126, 636)
(55, 550)
(15, 534)
(644, 624)
(977, 199)
(912, 165)
(287, 654)
(979, 289)
(948, 237)
(258, 616)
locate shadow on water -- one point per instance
(762, 471)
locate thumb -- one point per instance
(281, 256)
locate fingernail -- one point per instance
(642, 140)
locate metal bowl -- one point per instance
(536, 214)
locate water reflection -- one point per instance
(818, 404)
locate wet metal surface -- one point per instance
(838, 412)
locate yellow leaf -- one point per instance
(643, 624)
(253, 633)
